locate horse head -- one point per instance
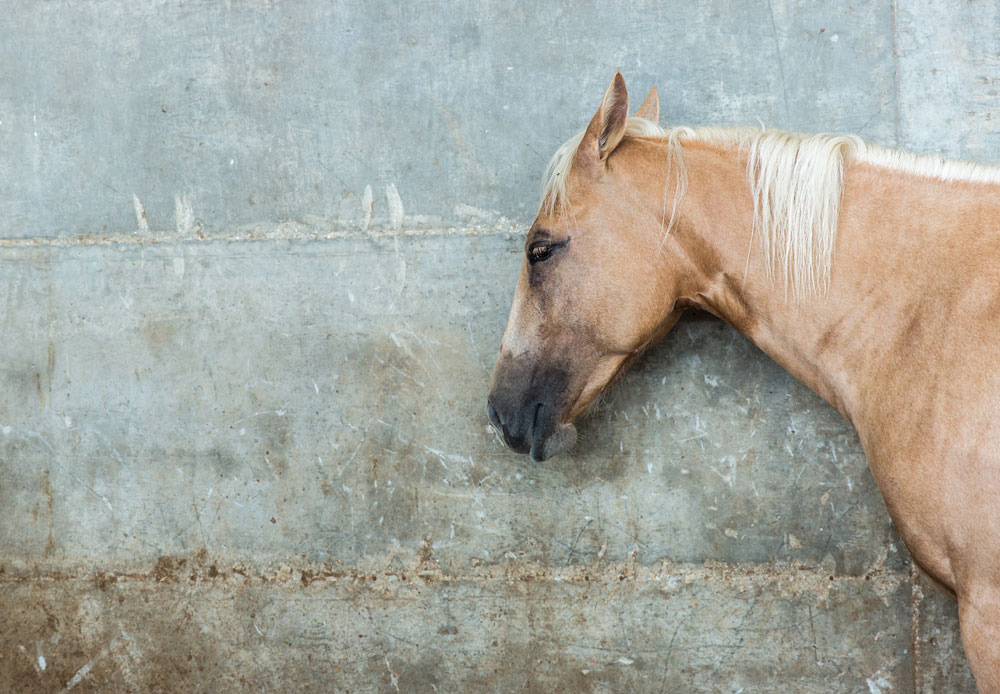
(595, 290)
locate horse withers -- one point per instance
(871, 275)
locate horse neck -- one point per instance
(729, 278)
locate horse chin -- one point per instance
(557, 442)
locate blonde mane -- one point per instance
(796, 182)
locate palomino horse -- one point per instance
(873, 276)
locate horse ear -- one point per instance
(607, 127)
(650, 109)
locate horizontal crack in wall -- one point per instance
(288, 231)
(792, 579)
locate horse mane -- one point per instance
(796, 181)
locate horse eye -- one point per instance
(542, 250)
(539, 252)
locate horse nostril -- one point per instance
(534, 420)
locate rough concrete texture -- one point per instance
(256, 263)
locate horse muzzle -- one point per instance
(532, 431)
(525, 407)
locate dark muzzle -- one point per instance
(524, 405)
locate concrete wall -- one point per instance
(256, 262)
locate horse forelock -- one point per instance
(796, 182)
(556, 174)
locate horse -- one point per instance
(871, 275)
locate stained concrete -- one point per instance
(514, 627)
(256, 262)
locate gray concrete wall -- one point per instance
(256, 262)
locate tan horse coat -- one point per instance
(903, 342)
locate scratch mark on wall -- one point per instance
(184, 216)
(125, 651)
(393, 677)
(777, 50)
(85, 670)
(351, 459)
(140, 216)
(395, 206)
(127, 303)
(453, 457)
(41, 657)
(878, 683)
(73, 475)
(99, 434)
(279, 413)
(403, 373)
(367, 207)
